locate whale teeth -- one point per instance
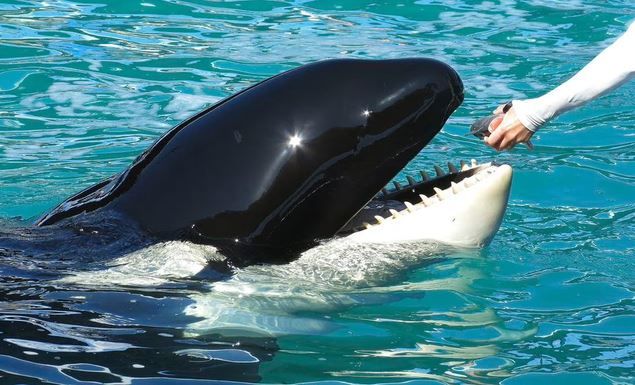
(424, 176)
(425, 200)
(452, 168)
(409, 206)
(397, 185)
(367, 225)
(438, 170)
(440, 193)
(411, 180)
(464, 166)
(379, 219)
(456, 187)
(394, 213)
(474, 163)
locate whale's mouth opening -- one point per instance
(416, 192)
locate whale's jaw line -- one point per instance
(468, 213)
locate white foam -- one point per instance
(151, 266)
(269, 299)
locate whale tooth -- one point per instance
(440, 193)
(464, 166)
(457, 187)
(394, 213)
(425, 200)
(452, 168)
(411, 180)
(438, 170)
(424, 176)
(409, 206)
(379, 219)
(474, 163)
(367, 225)
(397, 185)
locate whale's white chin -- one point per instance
(466, 214)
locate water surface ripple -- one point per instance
(85, 86)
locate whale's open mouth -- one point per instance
(436, 188)
(423, 203)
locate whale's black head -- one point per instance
(285, 162)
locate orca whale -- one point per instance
(294, 167)
(296, 158)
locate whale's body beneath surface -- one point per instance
(304, 156)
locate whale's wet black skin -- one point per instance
(283, 163)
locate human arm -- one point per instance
(611, 68)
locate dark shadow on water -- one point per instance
(56, 333)
(106, 336)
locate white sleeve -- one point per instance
(611, 68)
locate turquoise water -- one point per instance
(85, 86)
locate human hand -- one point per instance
(507, 131)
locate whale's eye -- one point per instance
(295, 141)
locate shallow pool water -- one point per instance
(85, 86)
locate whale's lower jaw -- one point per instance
(467, 213)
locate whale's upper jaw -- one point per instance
(462, 208)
